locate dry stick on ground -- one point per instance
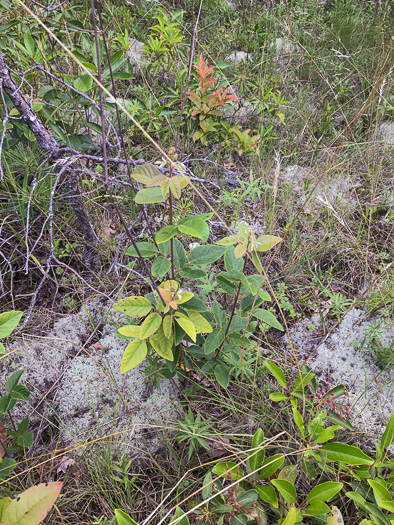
(49, 145)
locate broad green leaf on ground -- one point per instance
(289, 473)
(135, 352)
(8, 322)
(277, 373)
(317, 508)
(327, 434)
(179, 252)
(167, 326)
(146, 249)
(248, 498)
(213, 341)
(150, 325)
(196, 305)
(193, 273)
(380, 492)
(298, 420)
(267, 317)
(32, 505)
(20, 393)
(13, 380)
(335, 392)
(180, 518)
(134, 306)
(145, 173)
(207, 486)
(224, 468)
(257, 455)
(277, 396)
(349, 454)
(194, 227)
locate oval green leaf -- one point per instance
(150, 325)
(349, 454)
(133, 306)
(83, 83)
(160, 267)
(135, 352)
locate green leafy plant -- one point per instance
(193, 430)
(174, 321)
(163, 42)
(20, 437)
(8, 322)
(206, 100)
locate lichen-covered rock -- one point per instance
(386, 133)
(284, 49)
(137, 58)
(370, 389)
(95, 399)
(77, 387)
(236, 57)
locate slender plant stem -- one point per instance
(232, 309)
(120, 130)
(12, 420)
(171, 240)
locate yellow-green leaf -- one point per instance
(266, 242)
(135, 352)
(189, 328)
(149, 196)
(291, 517)
(183, 297)
(199, 321)
(227, 241)
(167, 326)
(335, 516)
(130, 330)
(32, 505)
(134, 306)
(240, 249)
(145, 173)
(150, 325)
(162, 344)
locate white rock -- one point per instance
(386, 133)
(237, 57)
(137, 58)
(84, 396)
(284, 49)
(370, 389)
